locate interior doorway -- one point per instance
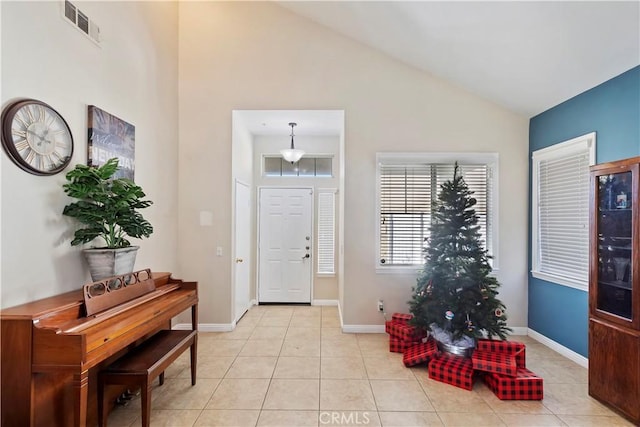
(257, 137)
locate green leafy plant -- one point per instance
(106, 207)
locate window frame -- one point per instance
(554, 152)
(490, 159)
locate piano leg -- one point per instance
(80, 389)
(194, 317)
(146, 404)
(194, 359)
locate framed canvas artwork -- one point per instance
(110, 136)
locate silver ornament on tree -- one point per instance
(449, 316)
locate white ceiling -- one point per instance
(276, 122)
(525, 56)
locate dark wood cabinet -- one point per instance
(614, 286)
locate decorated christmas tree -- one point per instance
(456, 297)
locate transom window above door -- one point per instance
(318, 166)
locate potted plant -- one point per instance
(107, 208)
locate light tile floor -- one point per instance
(292, 366)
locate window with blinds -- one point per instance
(326, 232)
(560, 217)
(406, 192)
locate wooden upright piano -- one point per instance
(52, 351)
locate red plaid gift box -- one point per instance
(509, 347)
(399, 346)
(454, 370)
(403, 332)
(387, 326)
(524, 386)
(499, 363)
(401, 318)
(420, 353)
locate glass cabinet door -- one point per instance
(614, 228)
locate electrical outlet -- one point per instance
(380, 305)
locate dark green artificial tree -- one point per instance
(455, 291)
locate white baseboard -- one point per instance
(566, 352)
(519, 330)
(182, 326)
(207, 327)
(363, 329)
(324, 302)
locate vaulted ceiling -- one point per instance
(525, 56)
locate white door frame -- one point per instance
(247, 262)
(313, 234)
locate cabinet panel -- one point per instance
(614, 285)
(614, 367)
(614, 225)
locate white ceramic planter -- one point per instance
(110, 262)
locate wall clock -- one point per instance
(36, 137)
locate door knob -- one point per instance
(306, 256)
(239, 260)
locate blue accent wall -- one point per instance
(612, 110)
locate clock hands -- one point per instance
(42, 137)
(36, 135)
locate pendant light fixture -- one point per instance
(292, 154)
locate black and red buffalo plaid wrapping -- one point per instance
(454, 370)
(509, 347)
(420, 353)
(399, 346)
(524, 386)
(401, 318)
(387, 326)
(403, 332)
(499, 363)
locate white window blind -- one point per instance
(405, 208)
(479, 180)
(561, 212)
(326, 231)
(406, 192)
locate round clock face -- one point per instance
(36, 137)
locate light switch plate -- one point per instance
(206, 218)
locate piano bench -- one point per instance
(140, 366)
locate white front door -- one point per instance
(286, 225)
(242, 249)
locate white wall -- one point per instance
(257, 55)
(133, 75)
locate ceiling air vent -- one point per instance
(81, 22)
